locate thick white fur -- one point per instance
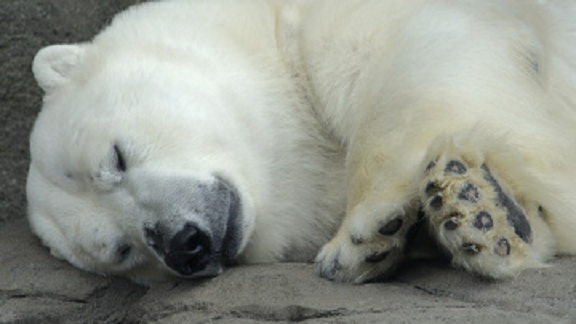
(307, 106)
(442, 68)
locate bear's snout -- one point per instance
(196, 226)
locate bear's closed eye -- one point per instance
(119, 158)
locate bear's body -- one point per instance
(193, 133)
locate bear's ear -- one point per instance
(53, 65)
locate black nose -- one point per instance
(189, 250)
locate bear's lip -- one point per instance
(185, 264)
(232, 241)
(154, 239)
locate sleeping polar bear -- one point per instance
(191, 135)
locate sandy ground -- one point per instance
(34, 287)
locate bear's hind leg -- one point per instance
(475, 216)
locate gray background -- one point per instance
(35, 287)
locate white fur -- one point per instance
(297, 102)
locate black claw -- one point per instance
(451, 224)
(502, 247)
(541, 212)
(430, 165)
(356, 240)
(392, 227)
(437, 201)
(471, 248)
(431, 188)
(455, 167)
(377, 257)
(514, 214)
(483, 221)
(469, 193)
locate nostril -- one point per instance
(196, 249)
(189, 250)
(190, 239)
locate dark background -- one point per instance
(25, 27)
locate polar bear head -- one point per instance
(137, 163)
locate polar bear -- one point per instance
(191, 135)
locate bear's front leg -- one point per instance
(383, 207)
(370, 244)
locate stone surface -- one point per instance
(37, 288)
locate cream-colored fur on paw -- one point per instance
(469, 209)
(369, 245)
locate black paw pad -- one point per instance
(451, 224)
(483, 221)
(455, 167)
(522, 228)
(376, 257)
(437, 201)
(502, 247)
(515, 215)
(471, 248)
(392, 227)
(469, 193)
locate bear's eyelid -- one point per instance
(120, 160)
